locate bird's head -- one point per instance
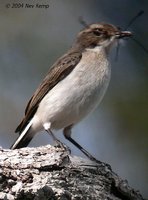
(101, 34)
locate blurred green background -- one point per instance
(30, 42)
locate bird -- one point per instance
(73, 87)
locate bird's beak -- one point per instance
(123, 34)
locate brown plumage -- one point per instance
(73, 87)
(58, 72)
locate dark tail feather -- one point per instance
(24, 138)
(22, 143)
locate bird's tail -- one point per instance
(24, 138)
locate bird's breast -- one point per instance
(77, 94)
(92, 76)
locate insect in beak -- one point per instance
(123, 34)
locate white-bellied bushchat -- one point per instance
(73, 87)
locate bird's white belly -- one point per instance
(75, 96)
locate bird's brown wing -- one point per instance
(57, 72)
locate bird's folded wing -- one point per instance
(57, 72)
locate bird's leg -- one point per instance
(58, 142)
(67, 134)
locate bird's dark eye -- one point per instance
(98, 31)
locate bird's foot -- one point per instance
(62, 146)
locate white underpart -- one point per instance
(77, 95)
(47, 125)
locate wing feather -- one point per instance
(57, 72)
